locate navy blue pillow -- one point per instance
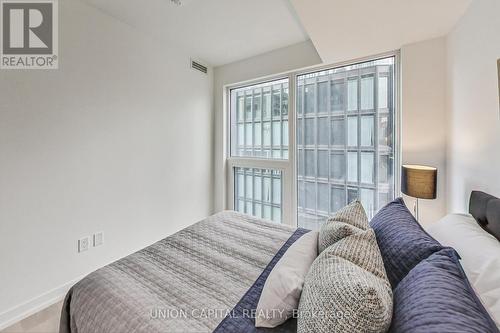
(402, 241)
(437, 297)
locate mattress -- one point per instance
(205, 278)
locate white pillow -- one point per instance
(480, 254)
(281, 293)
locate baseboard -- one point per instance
(19, 312)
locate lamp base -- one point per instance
(415, 209)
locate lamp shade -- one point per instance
(419, 181)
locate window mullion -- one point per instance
(358, 147)
(375, 138)
(316, 140)
(262, 122)
(281, 120)
(252, 122)
(329, 151)
(346, 136)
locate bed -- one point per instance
(210, 276)
(187, 282)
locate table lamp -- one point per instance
(418, 181)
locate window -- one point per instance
(259, 149)
(345, 143)
(258, 192)
(259, 120)
(343, 146)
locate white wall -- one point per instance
(473, 48)
(282, 60)
(423, 132)
(117, 140)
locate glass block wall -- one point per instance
(345, 139)
(258, 192)
(259, 120)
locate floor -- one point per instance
(45, 321)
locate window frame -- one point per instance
(289, 167)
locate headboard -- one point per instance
(485, 208)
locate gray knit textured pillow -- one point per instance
(346, 289)
(347, 221)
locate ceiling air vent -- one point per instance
(199, 67)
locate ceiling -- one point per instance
(219, 32)
(216, 32)
(343, 30)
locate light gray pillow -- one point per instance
(347, 221)
(281, 293)
(346, 289)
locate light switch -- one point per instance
(98, 238)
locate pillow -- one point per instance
(480, 253)
(346, 289)
(340, 225)
(402, 241)
(436, 296)
(281, 293)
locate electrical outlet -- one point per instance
(98, 238)
(83, 244)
